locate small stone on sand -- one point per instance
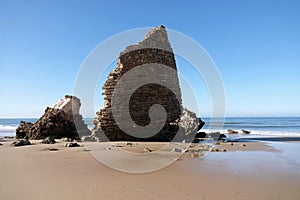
(146, 149)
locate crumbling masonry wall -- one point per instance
(143, 98)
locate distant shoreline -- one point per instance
(258, 126)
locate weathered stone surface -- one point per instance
(72, 144)
(70, 105)
(155, 52)
(246, 131)
(59, 121)
(217, 136)
(21, 142)
(23, 128)
(201, 135)
(154, 49)
(201, 124)
(222, 137)
(230, 131)
(89, 138)
(65, 139)
(49, 140)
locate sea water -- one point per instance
(273, 126)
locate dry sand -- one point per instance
(255, 170)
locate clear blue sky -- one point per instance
(255, 44)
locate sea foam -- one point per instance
(6, 128)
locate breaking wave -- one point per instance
(6, 128)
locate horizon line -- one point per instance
(267, 116)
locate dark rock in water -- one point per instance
(23, 129)
(201, 135)
(230, 131)
(154, 51)
(72, 144)
(201, 124)
(222, 136)
(214, 135)
(21, 142)
(196, 140)
(62, 120)
(246, 132)
(217, 136)
(49, 140)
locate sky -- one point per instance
(254, 44)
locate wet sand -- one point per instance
(247, 170)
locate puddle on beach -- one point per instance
(285, 158)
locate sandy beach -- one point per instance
(247, 170)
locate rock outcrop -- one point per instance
(89, 138)
(230, 131)
(21, 142)
(23, 128)
(72, 144)
(49, 140)
(62, 120)
(246, 131)
(154, 52)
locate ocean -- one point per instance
(266, 126)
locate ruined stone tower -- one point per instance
(154, 53)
